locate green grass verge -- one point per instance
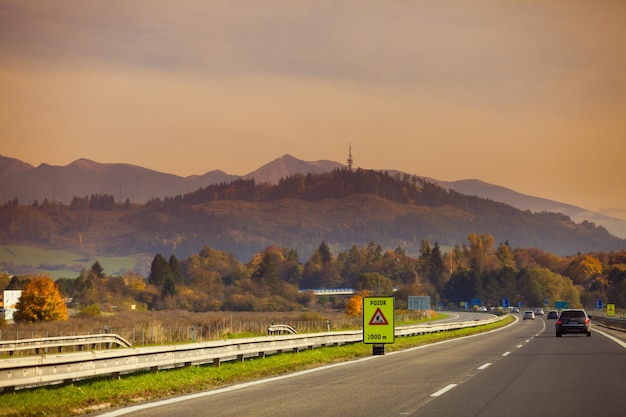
(87, 396)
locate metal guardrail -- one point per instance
(280, 329)
(80, 342)
(51, 369)
(614, 323)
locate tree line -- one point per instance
(276, 280)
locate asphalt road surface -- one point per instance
(521, 370)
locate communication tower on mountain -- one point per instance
(350, 157)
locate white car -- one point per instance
(529, 315)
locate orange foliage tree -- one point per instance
(40, 300)
(354, 306)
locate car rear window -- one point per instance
(573, 314)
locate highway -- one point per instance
(520, 370)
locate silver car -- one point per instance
(528, 315)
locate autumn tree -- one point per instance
(4, 280)
(354, 306)
(583, 269)
(481, 253)
(505, 256)
(539, 284)
(40, 301)
(374, 282)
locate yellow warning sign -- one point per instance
(378, 320)
(610, 310)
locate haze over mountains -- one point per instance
(137, 184)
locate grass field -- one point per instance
(62, 263)
(84, 397)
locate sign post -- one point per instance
(378, 322)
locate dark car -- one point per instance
(573, 321)
(553, 314)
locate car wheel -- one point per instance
(588, 334)
(558, 334)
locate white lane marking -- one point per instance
(443, 390)
(519, 346)
(484, 366)
(613, 338)
(506, 353)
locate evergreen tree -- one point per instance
(266, 274)
(324, 251)
(176, 271)
(97, 270)
(159, 271)
(436, 267)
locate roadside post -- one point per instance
(378, 323)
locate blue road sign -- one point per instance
(505, 302)
(599, 304)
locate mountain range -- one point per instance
(136, 184)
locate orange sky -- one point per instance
(529, 95)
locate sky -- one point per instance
(525, 94)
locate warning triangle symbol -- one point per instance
(378, 318)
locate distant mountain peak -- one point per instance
(288, 165)
(12, 166)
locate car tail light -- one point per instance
(586, 321)
(559, 322)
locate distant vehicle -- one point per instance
(515, 310)
(482, 308)
(529, 315)
(539, 312)
(553, 314)
(573, 321)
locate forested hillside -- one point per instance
(341, 207)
